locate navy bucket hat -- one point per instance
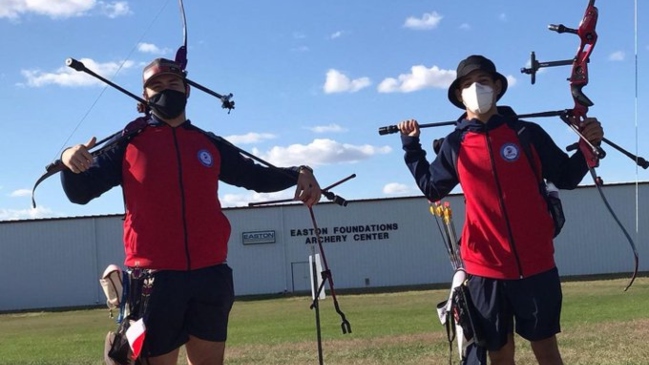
(468, 65)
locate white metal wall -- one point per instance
(56, 262)
(591, 242)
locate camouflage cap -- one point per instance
(161, 66)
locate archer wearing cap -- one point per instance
(170, 171)
(161, 66)
(166, 90)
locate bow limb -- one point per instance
(181, 60)
(181, 53)
(617, 220)
(131, 130)
(51, 169)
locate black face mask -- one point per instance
(169, 104)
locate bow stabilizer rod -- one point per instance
(80, 67)
(226, 102)
(535, 65)
(391, 129)
(325, 191)
(640, 161)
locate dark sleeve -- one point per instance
(436, 179)
(104, 173)
(566, 172)
(242, 171)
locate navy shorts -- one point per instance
(532, 305)
(184, 303)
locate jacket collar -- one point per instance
(504, 113)
(157, 122)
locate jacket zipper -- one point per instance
(182, 198)
(512, 245)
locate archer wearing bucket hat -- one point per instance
(469, 65)
(502, 165)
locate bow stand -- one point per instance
(326, 273)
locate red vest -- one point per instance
(173, 215)
(508, 230)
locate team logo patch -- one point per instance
(510, 152)
(205, 157)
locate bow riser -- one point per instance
(579, 78)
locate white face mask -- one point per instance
(478, 98)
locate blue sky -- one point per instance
(312, 81)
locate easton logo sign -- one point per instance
(257, 237)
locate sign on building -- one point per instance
(258, 237)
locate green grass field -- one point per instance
(602, 324)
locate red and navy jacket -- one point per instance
(170, 179)
(508, 229)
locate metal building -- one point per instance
(48, 263)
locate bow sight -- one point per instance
(579, 77)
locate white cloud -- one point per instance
(250, 138)
(338, 82)
(396, 189)
(427, 21)
(18, 214)
(465, 26)
(502, 17)
(59, 9)
(299, 35)
(419, 78)
(152, 49)
(328, 128)
(66, 76)
(114, 9)
(337, 34)
(321, 152)
(617, 56)
(20, 193)
(511, 80)
(241, 200)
